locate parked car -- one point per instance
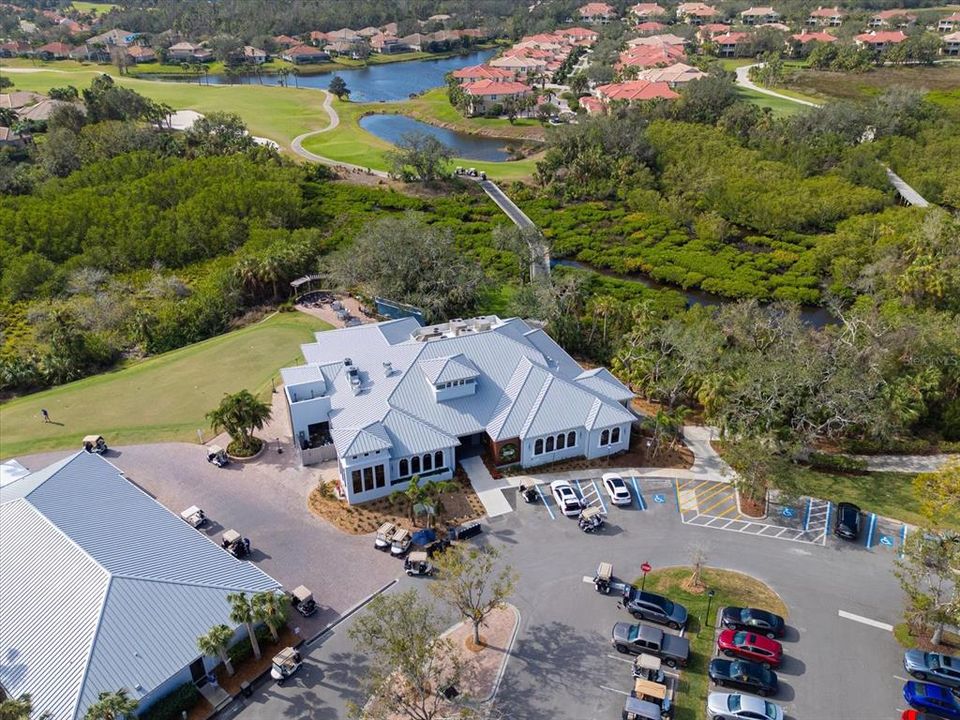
(567, 499)
(934, 667)
(736, 706)
(911, 714)
(750, 646)
(617, 489)
(759, 621)
(655, 608)
(636, 639)
(936, 700)
(846, 524)
(743, 675)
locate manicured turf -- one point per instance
(731, 588)
(350, 143)
(161, 398)
(99, 8)
(434, 106)
(779, 107)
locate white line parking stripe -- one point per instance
(604, 687)
(621, 659)
(599, 497)
(865, 621)
(543, 499)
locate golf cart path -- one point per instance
(297, 144)
(744, 81)
(907, 463)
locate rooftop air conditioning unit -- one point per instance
(387, 368)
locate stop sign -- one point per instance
(646, 567)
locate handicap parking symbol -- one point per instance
(886, 540)
(659, 499)
(788, 512)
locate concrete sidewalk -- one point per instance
(487, 489)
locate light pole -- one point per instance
(710, 594)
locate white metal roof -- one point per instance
(103, 588)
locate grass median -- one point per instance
(161, 398)
(731, 588)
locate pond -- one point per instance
(470, 147)
(374, 83)
(813, 315)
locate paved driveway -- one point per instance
(265, 501)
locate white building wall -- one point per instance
(595, 450)
(307, 412)
(529, 459)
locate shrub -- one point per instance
(171, 706)
(839, 463)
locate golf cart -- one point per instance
(385, 535)
(528, 493)
(302, 599)
(234, 544)
(417, 563)
(401, 543)
(648, 667)
(285, 663)
(637, 709)
(591, 519)
(95, 444)
(601, 581)
(217, 455)
(654, 693)
(193, 516)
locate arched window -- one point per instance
(415, 463)
(427, 462)
(538, 447)
(438, 459)
(615, 435)
(605, 437)
(550, 444)
(404, 468)
(571, 438)
(561, 441)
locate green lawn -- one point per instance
(162, 398)
(350, 143)
(732, 588)
(100, 8)
(779, 106)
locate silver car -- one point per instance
(933, 667)
(737, 706)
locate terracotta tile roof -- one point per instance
(482, 72)
(805, 37)
(895, 12)
(884, 36)
(676, 73)
(731, 38)
(697, 10)
(490, 87)
(651, 26)
(576, 32)
(822, 12)
(637, 90)
(647, 9)
(55, 48)
(952, 38)
(597, 8)
(758, 11)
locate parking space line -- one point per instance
(903, 538)
(604, 687)
(676, 488)
(872, 526)
(826, 525)
(543, 499)
(617, 657)
(732, 510)
(725, 499)
(710, 494)
(599, 496)
(865, 620)
(636, 488)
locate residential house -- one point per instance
(53, 51)
(805, 37)
(708, 30)
(285, 41)
(759, 16)
(305, 55)
(520, 66)
(826, 17)
(597, 13)
(254, 55)
(650, 26)
(592, 105)
(475, 73)
(11, 138)
(880, 40)
(188, 52)
(368, 32)
(659, 53)
(387, 44)
(645, 11)
(485, 94)
(390, 28)
(578, 35)
(104, 588)
(121, 38)
(19, 99)
(141, 54)
(347, 48)
(673, 75)
(949, 23)
(318, 37)
(415, 41)
(14, 48)
(896, 18)
(729, 44)
(635, 91)
(42, 111)
(72, 26)
(951, 44)
(695, 13)
(659, 40)
(395, 400)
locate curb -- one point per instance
(766, 507)
(242, 460)
(506, 657)
(352, 611)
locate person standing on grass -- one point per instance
(45, 415)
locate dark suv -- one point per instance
(846, 524)
(653, 607)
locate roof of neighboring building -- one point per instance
(637, 90)
(730, 38)
(650, 26)
(952, 37)
(597, 8)
(185, 46)
(113, 37)
(758, 11)
(104, 588)
(44, 109)
(697, 9)
(592, 105)
(895, 12)
(495, 87)
(251, 51)
(657, 40)
(482, 72)
(518, 61)
(676, 73)
(525, 385)
(9, 136)
(20, 98)
(308, 50)
(576, 32)
(56, 48)
(883, 36)
(805, 37)
(822, 12)
(953, 18)
(140, 51)
(286, 40)
(644, 9)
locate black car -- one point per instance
(743, 675)
(846, 524)
(758, 621)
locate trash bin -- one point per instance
(245, 689)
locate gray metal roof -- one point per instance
(604, 382)
(448, 369)
(301, 374)
(103, 587)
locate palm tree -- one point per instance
(215, 644)
(296, 77)
(269, 609)
(434, 490)
(605, 306)
(16, 709)
(412, 496)
(112, 706)
(241, 612)
(240, 414)
(270, 269)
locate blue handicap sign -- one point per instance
(885, 540)
(788, 512)
(659, 499)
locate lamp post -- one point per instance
(710, 594)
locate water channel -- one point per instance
(813, 315)
(471, 147)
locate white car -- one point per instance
(566, 497)
(617, 489)
(737, 706)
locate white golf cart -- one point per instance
(285, 663)
(194, 516)
(95, 444)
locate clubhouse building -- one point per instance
(393, 399)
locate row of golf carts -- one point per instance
(400, 541)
